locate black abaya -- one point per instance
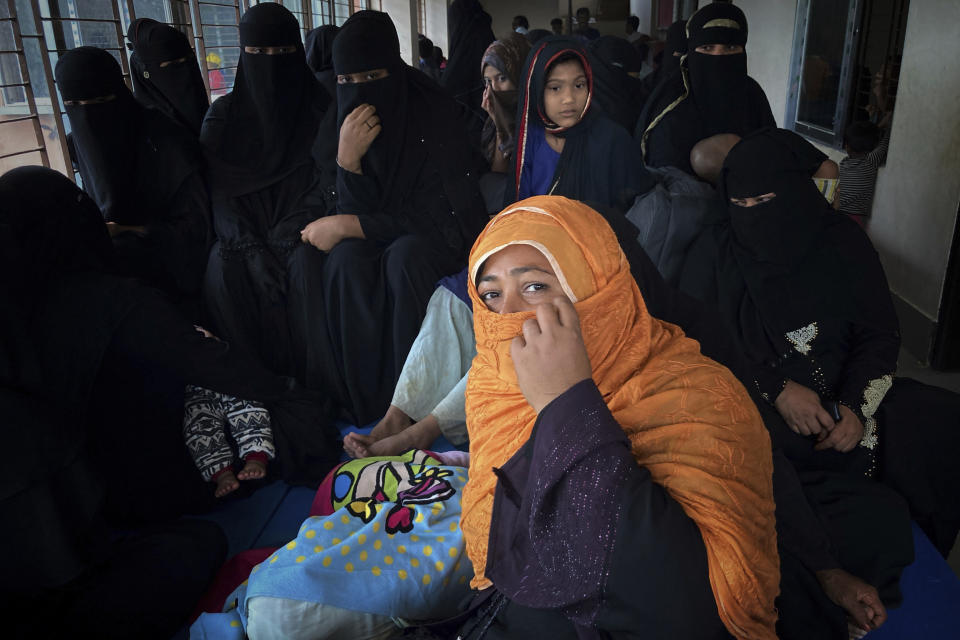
(419, 206)
(618, 94)
(470, 35)
(259, 141)
(142, 170)
(805, 299)
(117, 356)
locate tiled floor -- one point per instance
(910, 368)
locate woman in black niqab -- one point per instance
(804, 293)
(143, 171)
(260, 142)
(414, 207)
(165, 73)
(709, 94)
(263, 130)
(618, 94)
(318, 46)
(470, 35)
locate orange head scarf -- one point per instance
(689, 421)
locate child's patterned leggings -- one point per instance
(205, 413)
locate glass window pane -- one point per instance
(822, 63)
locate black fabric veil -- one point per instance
(264, 129)
(113, 137)
(319, 50)
(416, 114)
(162, 78)
(599, 163)
(470, 35)
(707, 95)
(785, 263)
(618, 94)
(676, 43)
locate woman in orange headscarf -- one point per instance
(619, 481)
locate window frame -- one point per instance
(832, 138)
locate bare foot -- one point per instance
(417, 436)
(393, 422)
(252, 470)
(226, 483)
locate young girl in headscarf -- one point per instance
(619, 480)
(565, 146)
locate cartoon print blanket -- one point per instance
(391, 545)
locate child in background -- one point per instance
(866, 146)
(205, 415)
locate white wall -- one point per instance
(436, 27)
(769, 46)
(915, 206)
(643, 9)
(404, 16)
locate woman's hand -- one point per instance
(859, 599)
(485, 102)
(801, 409)
(358, 131)
(845, 435)
(550, 356)
(325, 233)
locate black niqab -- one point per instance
(785, 263)
(718, 84)
(120, 145)
(618, 94)
(265, 128)
(319, 50)
(470, 35)
(707, 95)
(368, 40)
(418, 118)
(162, 78)
(676, 43)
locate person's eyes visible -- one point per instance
(489, 295)
(535, 287)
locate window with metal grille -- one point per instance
(845, 65)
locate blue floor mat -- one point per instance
(931, 596)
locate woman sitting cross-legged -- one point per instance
(620, 481)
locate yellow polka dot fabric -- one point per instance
(350, 558)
